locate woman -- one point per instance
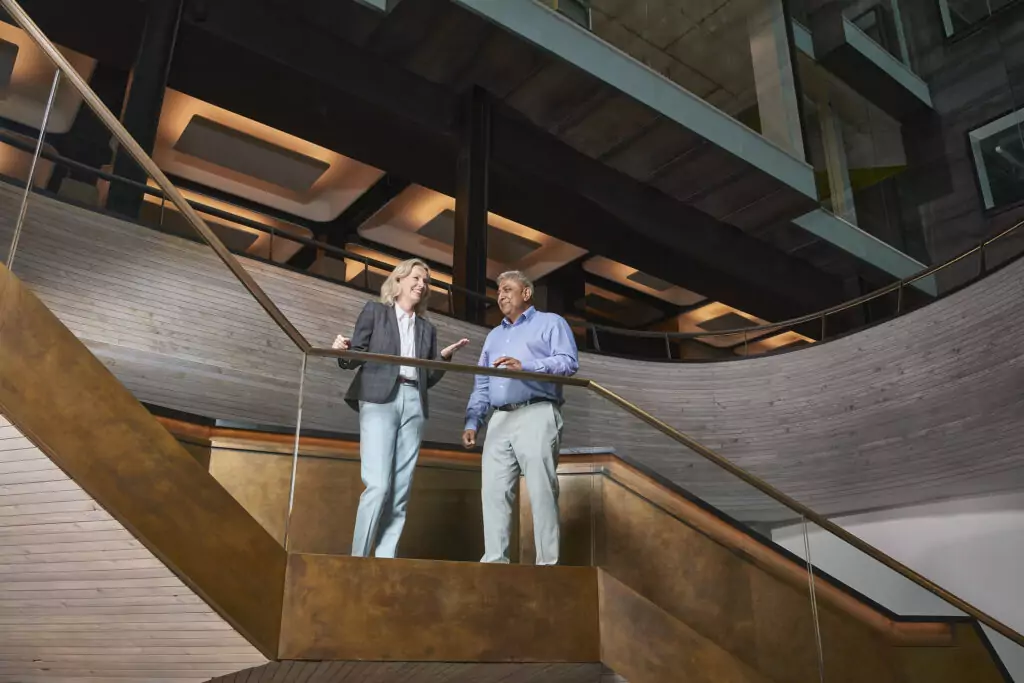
(392, 402)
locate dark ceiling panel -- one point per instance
(224, 146)
(108, 31)
(556, 93)
(728, 321)
(699, 168)
(450, 49)
(652, 149)
(405, 28)
(657, 284)
(504, 64)
(603, 128)
(502, 246)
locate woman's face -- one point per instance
(413, 287)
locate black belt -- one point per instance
(523, 404)
(406, 380)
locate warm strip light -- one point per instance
(334, 191)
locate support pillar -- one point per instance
(775, 78)
(144, 99)
(840, 187)
(471, 189)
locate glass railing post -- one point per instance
(29, 181)
(295, 452)
(814, 601)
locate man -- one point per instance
(524, 432)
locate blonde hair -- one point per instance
(390, 289)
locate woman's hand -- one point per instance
(449, 351)
(341, 342)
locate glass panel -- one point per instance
(884, 22)
(443, 518)
(691, 538)
(959, 16)
(23, 165)
(908, 621)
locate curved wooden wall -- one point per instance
(921, 408)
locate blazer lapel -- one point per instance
(422, 343)
(391, 324)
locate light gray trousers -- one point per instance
(527, 441)
(389, 445)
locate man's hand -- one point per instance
(449, 351)
(341, 342)
(508, 363)
(469, 438)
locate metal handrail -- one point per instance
(190, 214)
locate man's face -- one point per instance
(513, 298)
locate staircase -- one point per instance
(125, 558)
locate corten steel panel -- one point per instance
(970, 660)
(422, 610)
(578, 501)
(444, 514)
(68, 403)
(647, 645)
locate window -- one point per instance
(959, 15)
(577, 10)
(998, 150)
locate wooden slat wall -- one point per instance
(922, 408)
(81, 600)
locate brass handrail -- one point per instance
(137, 153)
(449, 366)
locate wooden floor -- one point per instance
(421, 672)
(81, 600)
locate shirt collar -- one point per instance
(402, 315)
(527, 314)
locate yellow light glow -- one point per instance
(31, 78)
(340, 184)
(620, 273)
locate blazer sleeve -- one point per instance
(434, 376)
(360, 336)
